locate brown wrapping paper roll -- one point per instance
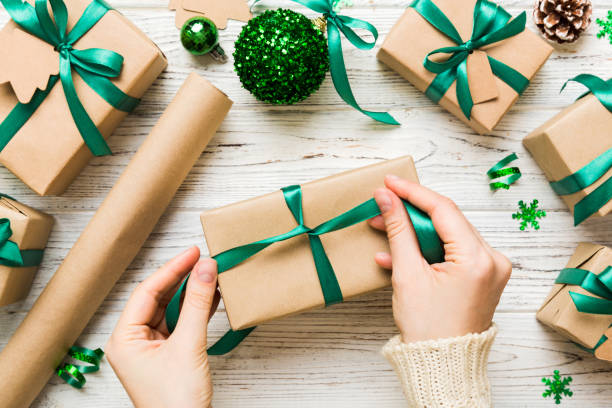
(111, 240)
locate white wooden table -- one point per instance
(330, 358)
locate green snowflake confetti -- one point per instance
(606, 27)
(529, 215)
(557, 387)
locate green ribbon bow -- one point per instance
(73, 373)
(597, 168)
(94, 65)
(491, 24)
(430, 244)
(10, 254)
(337, 24)
(599, 285)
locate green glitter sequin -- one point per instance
(280, 57)
(606, 27)
(199, 35)
(557, 387)
(529, 215)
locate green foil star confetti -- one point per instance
(606, 27)
(557, 387)
(281, 57)
(529, 215)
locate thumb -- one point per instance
(405, 250)
(201, 288)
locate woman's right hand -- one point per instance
(449, 299)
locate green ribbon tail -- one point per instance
(73, 373)
(10, 253)
(340, 77)
(511, 174)
(590, 204)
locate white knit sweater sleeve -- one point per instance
(449, 373)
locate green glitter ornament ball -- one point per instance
(281, 57)
(199, 35)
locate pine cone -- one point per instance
(562, 20)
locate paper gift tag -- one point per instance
(483, 85)
(218, 11)
(27, 62)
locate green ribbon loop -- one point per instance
(95, 66)
(599, 285)
(337, 24)
(429, 242)
(73, 373)
(10, 254)
(511, 174)
(492, 24)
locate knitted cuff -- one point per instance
(448, 373)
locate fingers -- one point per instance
(405, 250)
(449, 221)
(199, 299)
(143, 305)
(384, 260)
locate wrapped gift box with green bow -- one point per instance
(70, 71)
(579, 306)
(23, 236)
(574, 149)
(470, 56)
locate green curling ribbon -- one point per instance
(498, 170)
(491, 25)
(10, 254)
(597, 168)
(94, 65)
(599, 285)
(337, 24)
(73, 373)
(429, 242)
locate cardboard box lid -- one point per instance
(282, 279)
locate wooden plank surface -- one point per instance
(330, 358)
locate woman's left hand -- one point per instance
(159, 369)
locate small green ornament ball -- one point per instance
(281, 57)
(199, 35)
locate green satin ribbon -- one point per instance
(94, 65)
(599, 285)
(73, 373)
(511, 174)
(597, 168)
(429, 242)
(10, 254)
(337, 24)
(491, 25)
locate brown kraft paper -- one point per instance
(48, 152)
(282, 280)
(111, 240)
(559, 311)
(526, 52)
(571, 140)
(31, 230)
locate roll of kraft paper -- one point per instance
(110, 241)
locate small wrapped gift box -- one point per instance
(55, 94)
(577, 305)
(486, 60)
(23, 235)
(573, 147)
(282, 279)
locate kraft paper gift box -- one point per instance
(30, 230)
(282, 279)
(412, 38)
(48, 152)
(559, 311)
(571, 140)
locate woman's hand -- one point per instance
(158, 369)
(449, 299)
